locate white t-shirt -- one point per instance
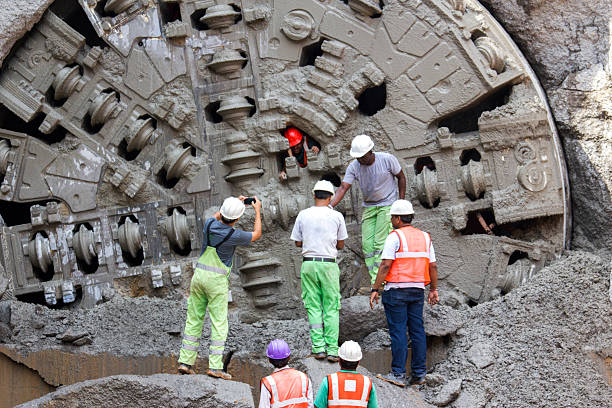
(319, 229)
(377, 181)
(392, 245)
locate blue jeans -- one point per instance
(404, 307)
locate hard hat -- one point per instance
(324, 185)
(294, 136)
(350, 351)
(401, 207)
(278, 349)
(361, 145)
(232, 208)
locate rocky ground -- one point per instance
(543, 344)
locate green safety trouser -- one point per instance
(208, 290)
(321, 296)
(375, 228)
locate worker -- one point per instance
(320, 231)
(408, 265)
(347, 388)
(376, 173)
(286, 386)
(298, 144)
(210, 285)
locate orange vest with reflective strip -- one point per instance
(347, 390)
(411, 262)
(288, 388)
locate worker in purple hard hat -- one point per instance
(286, 386)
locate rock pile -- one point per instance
(543, 344)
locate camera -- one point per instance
(249, 200)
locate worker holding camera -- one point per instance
(210, 283)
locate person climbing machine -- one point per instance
(298, 143)
(320, 232)
(209, 284)
(346, 388)
(286, 386)
(376, 173)
(408, 265)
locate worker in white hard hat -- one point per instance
(408, 266)
(320, 231)
(210, 285)
(382, 181)
(347, 388)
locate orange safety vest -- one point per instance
(411, 262)
(347, 390)
(288, 388)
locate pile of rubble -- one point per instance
(545, 344)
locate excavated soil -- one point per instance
(545, 344)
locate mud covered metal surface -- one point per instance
(126, 123)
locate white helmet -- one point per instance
(350, 351)
(232, 208)
(401, 207)
(323, 185)
(361, 145)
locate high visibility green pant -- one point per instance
(208, 290)
(375, 227)
(321, 296)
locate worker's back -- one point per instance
(217, 231)
(319, 228)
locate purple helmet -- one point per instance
(278, 349)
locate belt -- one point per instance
(318, 259)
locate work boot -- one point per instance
(219, 374)
(417, 380)
(333, 359)
(399, 380)
(185, 369)
(320, 355)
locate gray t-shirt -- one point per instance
(319, 229)
(218, 231)
(377, 181)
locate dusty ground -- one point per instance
(541, 345)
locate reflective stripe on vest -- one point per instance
(347, 390)
(411, 262)
(288, 388)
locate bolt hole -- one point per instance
(310, 53)
(211, 112)
(332, 178)
(467, 155)
(170, 12)
(423, 162)
(373, 100)
(516, 255)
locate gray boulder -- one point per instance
(481, 354)
(357, 320)
(448, 393)
(156, 391)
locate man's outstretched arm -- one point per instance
(341, 192)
